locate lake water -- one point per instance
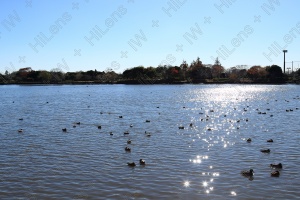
(43, 162)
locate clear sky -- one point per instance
(85, 35)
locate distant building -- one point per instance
(27, 69)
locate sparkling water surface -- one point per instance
(201, 161)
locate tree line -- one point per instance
(195, 72)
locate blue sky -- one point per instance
(75, 35)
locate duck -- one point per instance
(131, 125)
(21, 119)
(142, 162)
(209, 129)
(126, 133)
(128, 141)
(127, 149)
(99, 127)
(249, 140)
(120, 117)
(279, 165)
(270, 140)
(275, 173)
(64, 129)
(248, 173)
(78, 123)
(20, 130)
(74, 126)
(265, 150)
(110, 133)
(148, 135)
(181, 127)
(191, 124)
(147, 121)
(132, 164)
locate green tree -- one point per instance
(44, 76)
(275, 74)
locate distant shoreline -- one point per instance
(146, 83)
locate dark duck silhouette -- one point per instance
(127, 149)
(132, 164)
(142, 162)
(265, 150)
(275, 173)
(278, 166)
(248, 173)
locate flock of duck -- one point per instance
(247, 173)
(127, 149)
(278, 166)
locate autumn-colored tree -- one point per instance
(217, 69)
(184, 67)
(257, 72)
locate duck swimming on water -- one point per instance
(248, 173)
(127, 149)
(275, 173)
(142, 162)
(279, 165)
(265, 150)
(132, 164)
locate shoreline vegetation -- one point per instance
(194, 73)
